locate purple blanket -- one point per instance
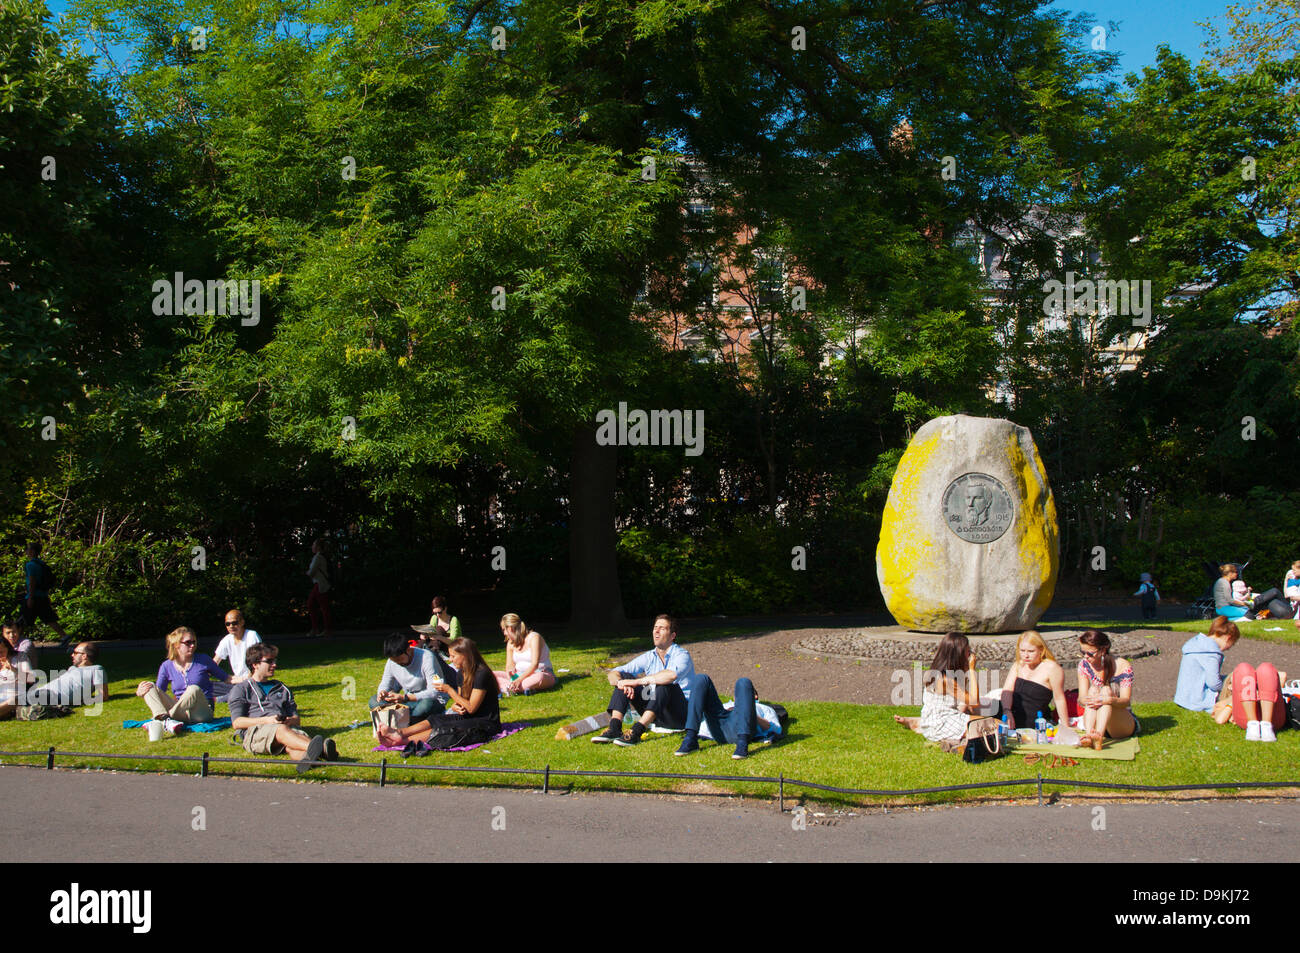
(507, 729)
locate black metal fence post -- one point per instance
(546, 780)
(49, 759)
(203, 769)
(383, 771)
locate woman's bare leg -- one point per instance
(908, 721)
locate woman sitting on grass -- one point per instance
(1251, 697)
(188, 674)
(1105, 692)
(1036, 681)
(475, 715)
(528, 659)
(1200, 686)
(14, 678)
(448, 625)
(946, 705)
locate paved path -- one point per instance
(277, 820)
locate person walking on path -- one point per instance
(318, 601)
(36, 599)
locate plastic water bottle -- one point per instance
(1005, 729)
(1040, 729)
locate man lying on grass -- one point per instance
(736, 725)
(265, 717)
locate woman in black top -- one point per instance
(1034, 683)
(475, 714)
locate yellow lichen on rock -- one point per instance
(968, 538)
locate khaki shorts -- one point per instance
(260, 739)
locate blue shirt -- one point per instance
(1199, 680)
(676, 659)
(32, 570)
(202, 671)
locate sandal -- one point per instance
(1033, 758)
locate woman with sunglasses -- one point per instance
(183, 690)
(1105, 692)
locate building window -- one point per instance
(701, 283)
(769, 283)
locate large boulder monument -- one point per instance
(968, 540)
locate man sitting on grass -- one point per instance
(83, 684)
(15, 635)
(409, 676)
(657, 684)
(263, 713)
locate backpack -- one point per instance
(39, 712)
(782, 715)
(45, 580)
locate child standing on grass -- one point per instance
(1150, 596)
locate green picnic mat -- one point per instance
(1125, 750)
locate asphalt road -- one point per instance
(136, 817)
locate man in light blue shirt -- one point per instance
(656, 684)
(410, 676)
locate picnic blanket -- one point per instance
(220, 724)
(1125, 749)
(509, 728)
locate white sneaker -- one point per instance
(1252, 731)
(1266, 732)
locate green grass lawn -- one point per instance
(1257, 629)
(831, 743)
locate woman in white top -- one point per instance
(528, 659)
(233, 646)
(947, 704)
(14, 674)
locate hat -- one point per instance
(1145, 577)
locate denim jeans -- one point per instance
(724, 725)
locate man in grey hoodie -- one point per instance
(265, 716)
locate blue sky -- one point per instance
(1143, 25)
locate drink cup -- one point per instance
(155, 730)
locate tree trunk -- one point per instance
(596, 602)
